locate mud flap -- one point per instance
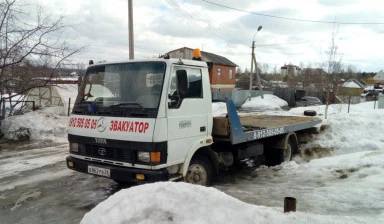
(274, 156)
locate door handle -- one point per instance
(202, 129)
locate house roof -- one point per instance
(352, 83)
(214, 58)
(217, 59)
(379, 76)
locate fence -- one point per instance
(291, 96)
(8, 106)
(238, 96)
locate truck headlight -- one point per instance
(144, 157)
(73, 147)
(153, 157)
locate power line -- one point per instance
(210, 30)
(269, 45)
(292, 19)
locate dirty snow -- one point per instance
(346, 186)
(40, 125)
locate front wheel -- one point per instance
(200, 171)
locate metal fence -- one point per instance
(238, 96)
(291, 96)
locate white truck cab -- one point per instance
(140, 121)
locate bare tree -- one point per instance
(333, 66)
(31, 47)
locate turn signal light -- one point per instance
(155, 157)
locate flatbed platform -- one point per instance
(221, 126)
(272, 121)
(253, 127)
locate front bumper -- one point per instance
(120, 174)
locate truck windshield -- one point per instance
(126, 89)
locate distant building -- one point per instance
(379, 78)
(290, 70)
(353, 83)
(222, 72)
(350, 91)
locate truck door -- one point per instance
(187, 117)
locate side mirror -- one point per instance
(182, 83)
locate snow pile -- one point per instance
(219, 109)
(360, 129)
(168, 202)
(37, 125)
(270, 102)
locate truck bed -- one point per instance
(272, 121)
(221, 125)
(253, 127)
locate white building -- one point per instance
(290, 70)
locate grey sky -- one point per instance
(164, 25)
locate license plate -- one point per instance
(99, 171)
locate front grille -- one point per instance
(116, 150)
(109, 153)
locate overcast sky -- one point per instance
(296, 31)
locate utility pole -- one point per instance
(130, 31)
(258, 77)
(253, 60)
(251, 75)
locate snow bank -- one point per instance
(270, 102)
(168, 202)
(38, 125)
(359, 130)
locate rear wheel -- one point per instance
(291, 150)
(288, 153)
(200, 171)
(276, 156)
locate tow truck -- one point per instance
(144, 121)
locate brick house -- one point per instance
(222, 72)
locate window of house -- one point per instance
(230, 74)
(219, 73)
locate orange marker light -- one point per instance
(196, 54)
(155, 157)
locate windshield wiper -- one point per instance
(127, 104)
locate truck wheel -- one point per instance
(287, 152)
(290, 151)
(199, 172)
(310, 113)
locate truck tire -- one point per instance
(200, 171)
(290, 151)
(275, 156)
(310, 113)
